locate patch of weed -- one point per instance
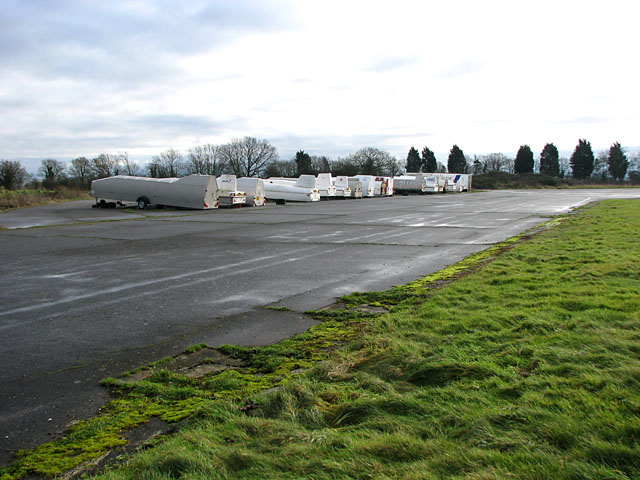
(277, 309)
(196, 348)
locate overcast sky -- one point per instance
(328, 77)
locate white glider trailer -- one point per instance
(301, 190)
(198, 192)
(453, 182)
(465, 180)
(324, 184)
(341, 183)
(368, 184)
(416, 183)
(228, 192)
(254, 188)
(378, 186)
(443, 182)
(356, 187)
(383, 186)
(406, 184)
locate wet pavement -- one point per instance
(89, 293)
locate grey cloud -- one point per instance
(89, 143)
(186, 125)
(18, 103)
(260, 15)
(174, 125)
(335, 146)
(87, 136)
(116, 41)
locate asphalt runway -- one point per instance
(89, 293)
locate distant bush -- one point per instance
(503, 180)
(12, 199)
(634, 177)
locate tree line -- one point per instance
(248, 157)
(583, 164)
(79, 172)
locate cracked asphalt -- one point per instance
(89, 293)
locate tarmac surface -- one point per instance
(89, 293)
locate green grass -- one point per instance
(277, 309)
(526, 365)
(158, 391)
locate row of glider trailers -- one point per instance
(206, 191)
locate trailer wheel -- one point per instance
(142, 203)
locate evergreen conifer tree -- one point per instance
(617, 162)
(303, 163)
(549, 160)
(413, 161)
(456, 162)
(429, 162)
(582, 160)
(524, 160)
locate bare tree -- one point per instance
(393, 167)
(53, 171)
(476, 166)
(634, 168)
(564, 167)
(248, 157)
(12, 174)
(105, 165)
(344, 166)
(129, 167)
(371, 161)
(281, 168)
(495, 162)
(510, 167)
(80, 171)
(205, 160)
(168, 164)
(320, 164)
(600, 165)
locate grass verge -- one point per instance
(15, 199)
(527, 366)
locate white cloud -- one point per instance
(78, 78)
